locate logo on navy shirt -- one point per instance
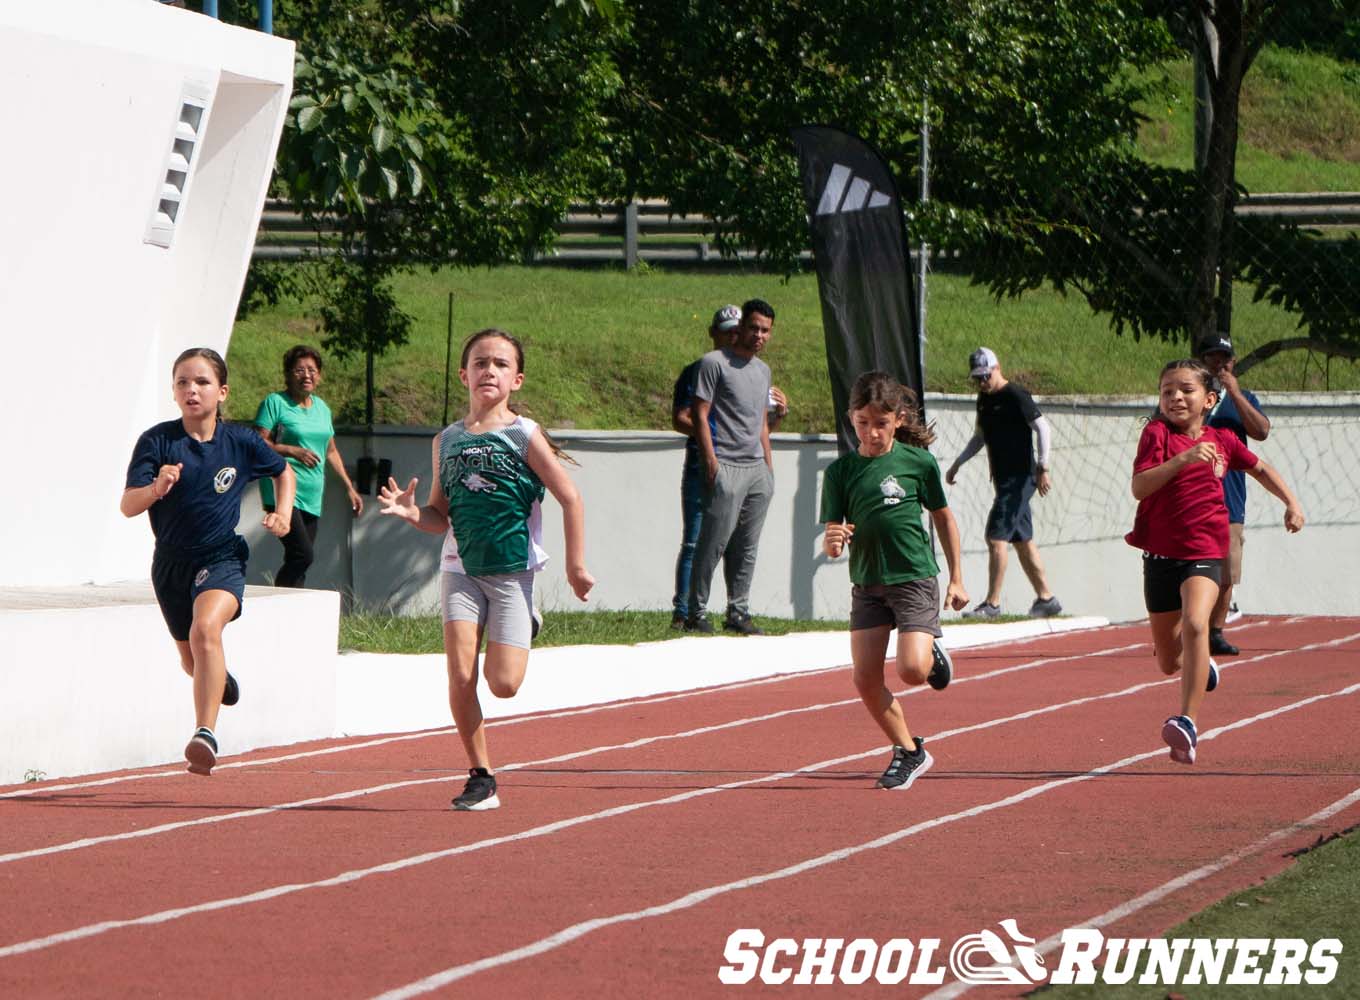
(224, 478)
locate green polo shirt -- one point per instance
(884, 498)
(308, 427)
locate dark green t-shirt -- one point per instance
(884, 498)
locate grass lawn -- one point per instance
(1316, 898)
(603, 346)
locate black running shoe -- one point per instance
(942, 671)
(1212, 683)
(741, 625)
(479, 793)
(1045, 608)
(535, 623)
(906, 766)
(201, 751)
(699, 623)
(231, 694)
(984, 610)
(1220, 646)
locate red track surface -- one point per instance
(344, 873)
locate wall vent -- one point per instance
(172, 192)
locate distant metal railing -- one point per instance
(650, 232)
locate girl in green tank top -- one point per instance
(489, 472)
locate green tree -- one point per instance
(355, 156)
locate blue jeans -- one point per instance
(691, 518)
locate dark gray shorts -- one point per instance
(910, 607)
(1010, 520)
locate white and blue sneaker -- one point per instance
(1178, 732)
(1213, 675)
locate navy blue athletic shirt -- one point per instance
(201, 511)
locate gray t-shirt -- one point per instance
(739, 389)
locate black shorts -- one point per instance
(1009, 520)
(178, 582)
(1162, 579)
(909, 607)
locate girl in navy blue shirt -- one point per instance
(190, 475)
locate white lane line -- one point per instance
(565, 713)
(399, 864)
(690, 900)
(522, 765)
(1126, 909)
(86, 842)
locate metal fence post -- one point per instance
(630, 235)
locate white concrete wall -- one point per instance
(91, 681)
(91, 316)
(630, 482)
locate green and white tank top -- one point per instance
(495, 518)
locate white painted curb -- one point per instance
(385, 693)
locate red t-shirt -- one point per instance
(1186, 518)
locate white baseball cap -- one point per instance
(980, 362)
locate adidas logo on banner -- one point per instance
(844, 192)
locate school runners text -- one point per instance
(1084, 955)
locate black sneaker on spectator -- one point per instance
(984, 610)
(231, 694)
(479, 793)
(1220, 646)
(906, 766)
(942, 670)
(201, 751)
(741, 625)
(699, 623)
(678, 619)
(1045, 608)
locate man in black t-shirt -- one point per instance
(1006, 418)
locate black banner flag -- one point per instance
(859, 244)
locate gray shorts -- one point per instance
(911, 607)
(503, 604)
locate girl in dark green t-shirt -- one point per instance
(872, 500)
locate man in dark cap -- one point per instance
(1008, 423)
(1239, 411)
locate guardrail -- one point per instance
(648, 231)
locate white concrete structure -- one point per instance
(139, 141)
(91, 680)
(630, 482)
(118, 114)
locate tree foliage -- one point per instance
(464, 129)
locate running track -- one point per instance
(635, 837)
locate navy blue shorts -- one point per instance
(1009, 519)
(178, 582)
(1162, 579)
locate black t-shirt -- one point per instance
(1004, 419)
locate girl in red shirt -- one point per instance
(1182, 528)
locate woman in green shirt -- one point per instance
(297, 425)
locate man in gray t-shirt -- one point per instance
(733, 386)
